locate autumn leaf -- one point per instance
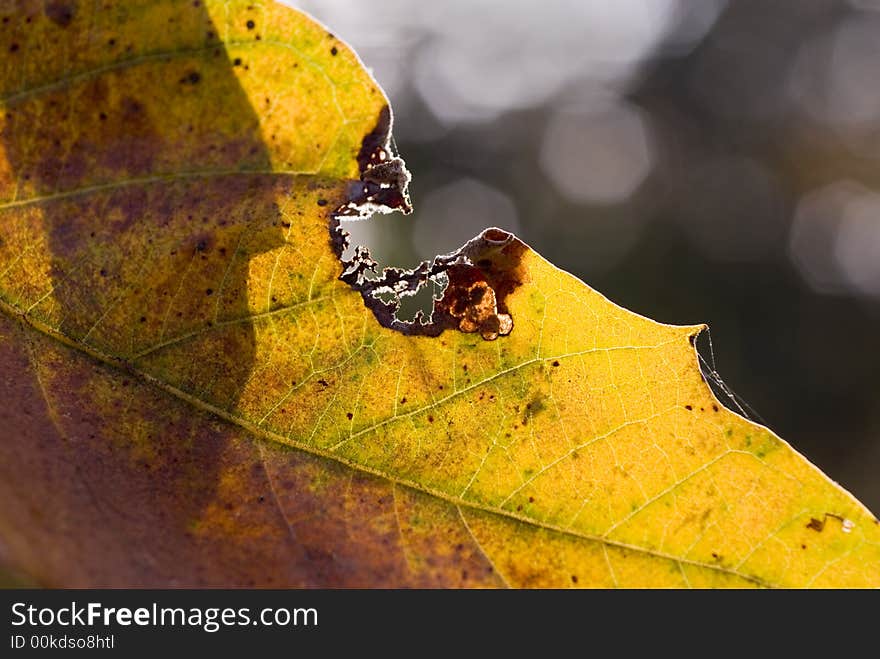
(199, 391)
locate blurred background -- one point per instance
(695, 161)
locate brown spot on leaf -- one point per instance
(816, 524)
(471, 303)
(61, 13)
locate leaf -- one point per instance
(199, 392)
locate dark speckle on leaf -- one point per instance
(556, 362)
(322, 202)
(334, 51)
(191, 78)
(250, 25)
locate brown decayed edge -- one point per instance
(481, 274)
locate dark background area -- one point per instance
(695, 161)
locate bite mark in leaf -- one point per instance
(480, 274)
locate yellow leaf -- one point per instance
(195, 394)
